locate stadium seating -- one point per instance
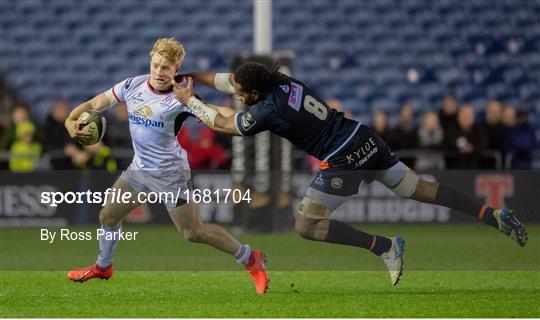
(367, 53)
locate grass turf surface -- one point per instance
(450, 271)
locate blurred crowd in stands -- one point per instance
(456, 137)
(452, 136)
(29, 147)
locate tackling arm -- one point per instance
(220, 119)
(219, 81)
(224, 121)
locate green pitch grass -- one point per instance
(450, 271)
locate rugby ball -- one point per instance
(95, 126)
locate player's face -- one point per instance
(162, 72)
(249, 98)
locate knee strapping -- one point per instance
(405, 188)
(311, 209)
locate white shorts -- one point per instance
(169, 186)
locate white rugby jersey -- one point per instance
(154, 121)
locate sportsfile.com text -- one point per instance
(117, 195)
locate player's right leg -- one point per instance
(110, 216)
(406, 184)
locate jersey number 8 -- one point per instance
(315, 107)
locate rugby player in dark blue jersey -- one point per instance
(350, 153)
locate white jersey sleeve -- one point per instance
(121, 89)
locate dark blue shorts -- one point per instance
(361, 159)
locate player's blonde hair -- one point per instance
(170, 49)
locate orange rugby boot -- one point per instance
(257, 270)
(93, 271)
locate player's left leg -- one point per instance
(405, 183)
(187, 220)
(173, 184)
(313, 223)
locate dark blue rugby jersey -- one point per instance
(295, 112)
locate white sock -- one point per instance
(243, 253)
(107, 247)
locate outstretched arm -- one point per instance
(225, 119)
(220, 119)
(220, 81)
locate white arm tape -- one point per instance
(204, 112)
(222, 83)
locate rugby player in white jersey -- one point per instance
(160, 164)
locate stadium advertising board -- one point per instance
(27, 200)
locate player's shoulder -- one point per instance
(288, 92)
(132, 82)
(135, 81)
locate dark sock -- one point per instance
(456, 200)
(488, 217)
(342, 233)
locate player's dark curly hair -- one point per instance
(256, 76)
